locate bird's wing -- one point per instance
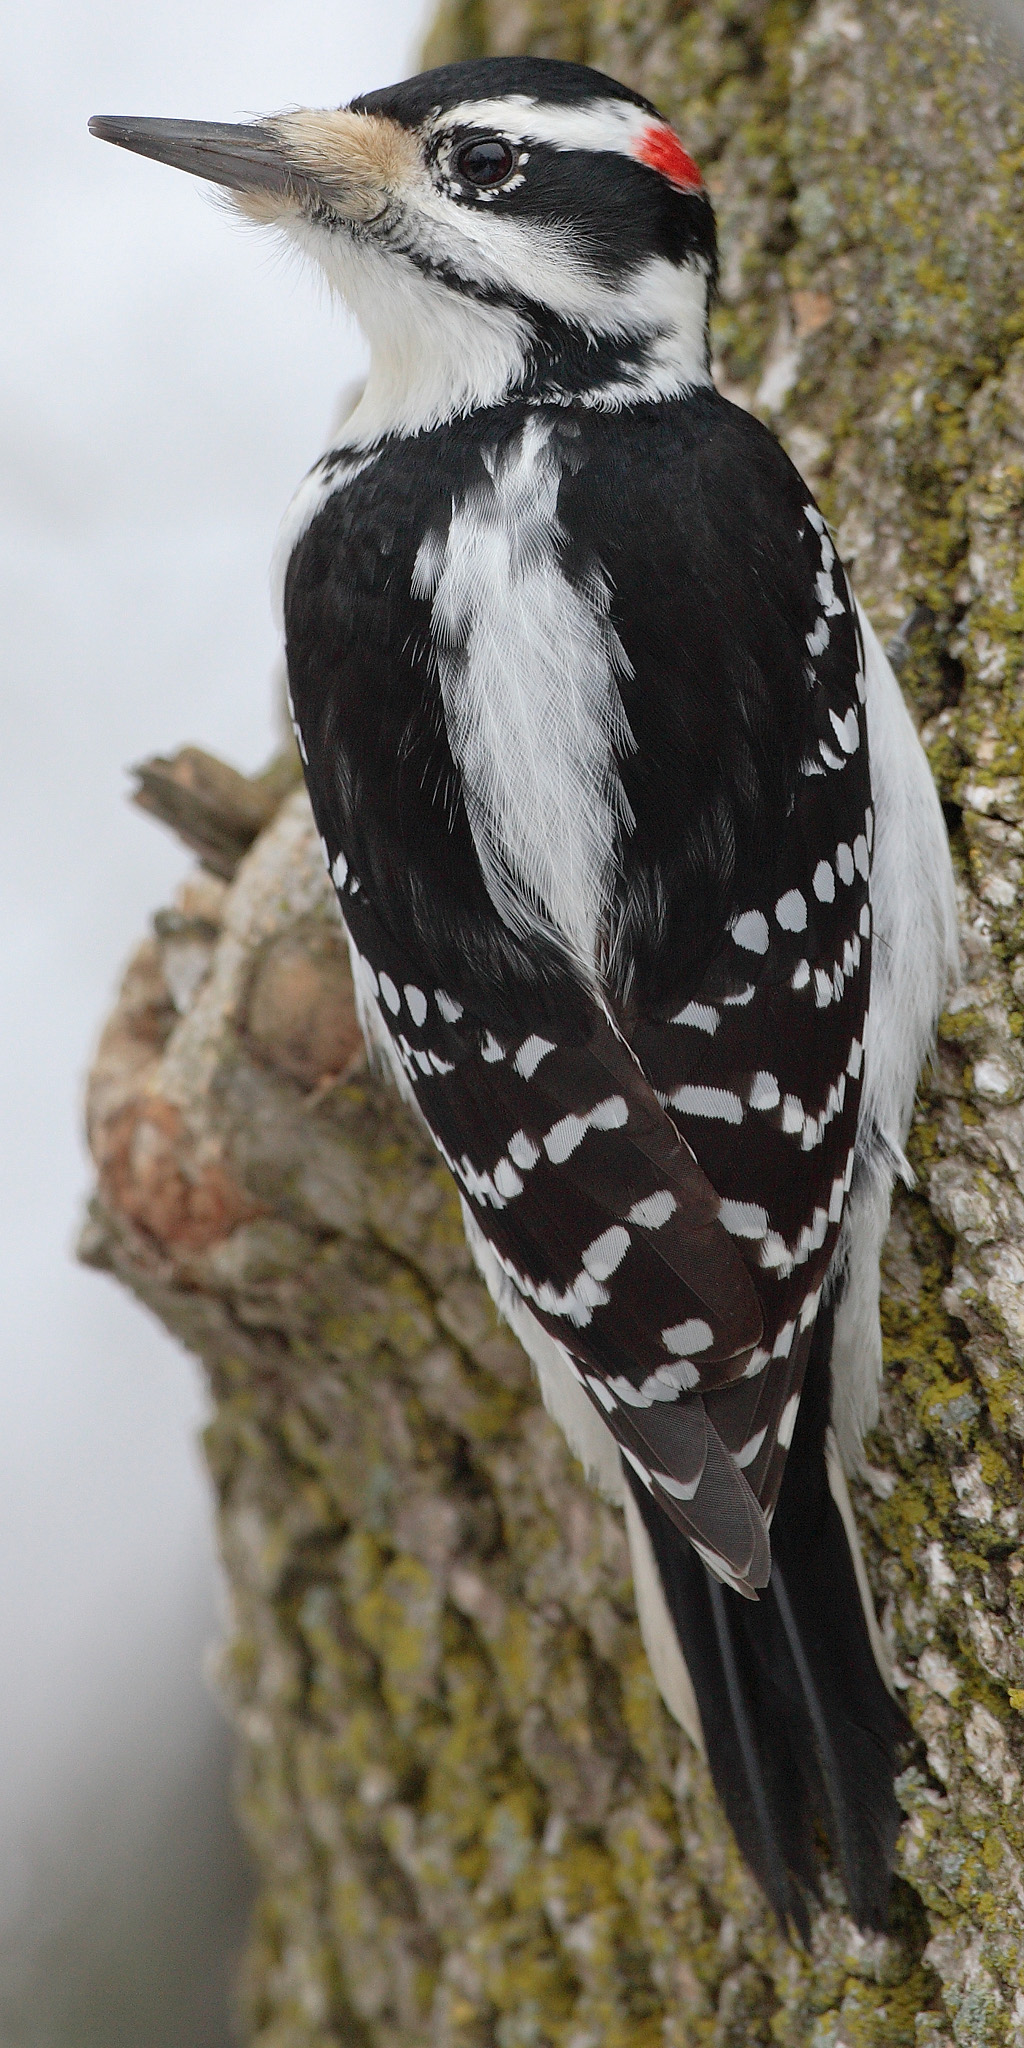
(755, 715)
(601, 1219)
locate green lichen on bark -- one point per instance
(475, 1821)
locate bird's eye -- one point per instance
(484, 163)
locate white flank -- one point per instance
(527, 665)
(914, 963)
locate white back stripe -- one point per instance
(527, 665)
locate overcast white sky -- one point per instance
(166, 379)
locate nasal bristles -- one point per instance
(359, 155)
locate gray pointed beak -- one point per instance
(244, 156)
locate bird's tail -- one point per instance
(799, 1728)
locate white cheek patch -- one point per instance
(663, 302)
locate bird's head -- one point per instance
(508, 225)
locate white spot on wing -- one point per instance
(563, 1138)
(792, 1115)
(506, 1180)
(809, 1309)
(720, 1103)
(417, 1003)
(787, 1422)
(824, 883)
(609, 1115)
(764, 1092)
(679, 1489)
(530, 1054)
(750, 1450)
(847, 730)
(791, 911)
(669, 1381)
(654, 1210)
(700, 1016)
(693, 1335)
(523, 1150)
(743, 1219)
(628, 1394)
(750, 930)
(604, 1256)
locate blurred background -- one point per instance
(167, 378)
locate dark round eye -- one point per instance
(484, 163)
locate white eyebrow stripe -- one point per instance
(614, 125)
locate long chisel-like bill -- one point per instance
(356, 164)
(242, 156)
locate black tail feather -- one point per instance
(754, 1792)
(800, 1730)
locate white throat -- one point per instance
(434, 353)
(438, 353)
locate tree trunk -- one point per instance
(476, 1825)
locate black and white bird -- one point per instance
(646, 882)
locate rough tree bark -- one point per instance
(474, 1821)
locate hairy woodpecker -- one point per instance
(645, 878)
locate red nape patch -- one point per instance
(664, 152)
